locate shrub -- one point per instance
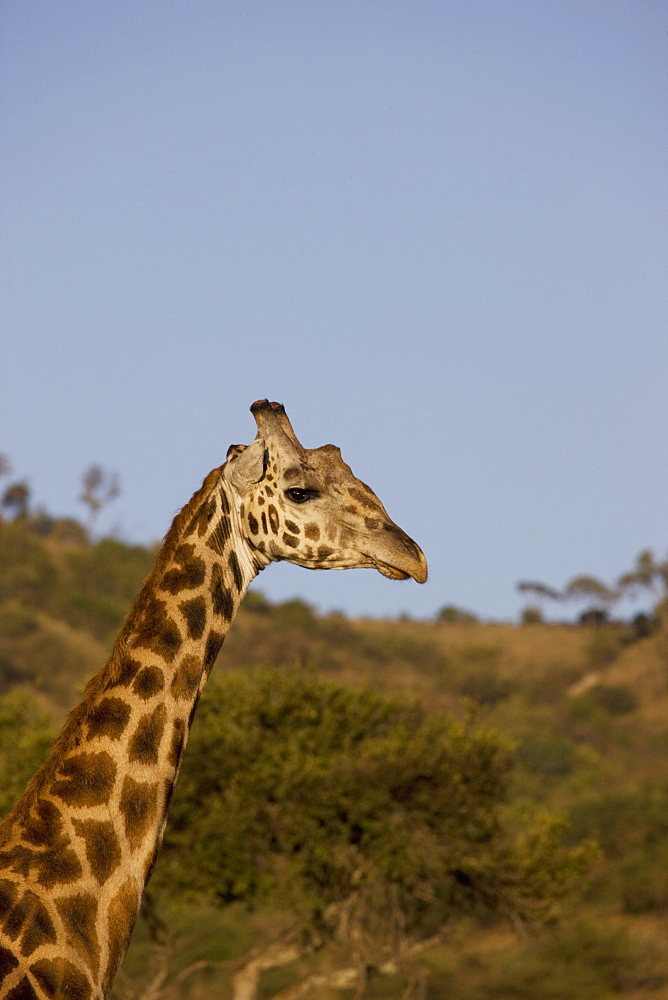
(452, 615)
(603, 648)
(616, 699)
(531, 616)
(16, 622)
(485, 687)
(584, 959)
(602, 701)
(27, 571)
(25, 738)
(548, 754)
(294, 614)
(256, 602)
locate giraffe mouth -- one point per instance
(391, 572)
(403, 561)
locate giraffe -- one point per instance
(78, 848)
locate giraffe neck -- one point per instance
(80, 844)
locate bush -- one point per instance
(644, 882)
(294, 614)
(16, 622)
(601, 702)
(256, 602)
(25, 738)
(452, 615)
(580, 960)
(531, 616)
(100, 616)
(547, 754)
(603, 648)
(27, 571)
(616, 699)
(485, 687)
(623, 822)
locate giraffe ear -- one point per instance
(247, 467)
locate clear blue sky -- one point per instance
(436, 231)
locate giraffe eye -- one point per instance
(300, 496)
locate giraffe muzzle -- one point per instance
(398, 557)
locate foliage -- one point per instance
(299, 793)
(25, 737)
(451, 614)
(582, 960)
(547, 754)
(27, 570)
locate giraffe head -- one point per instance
(306, 506)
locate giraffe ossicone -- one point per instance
(79, 846)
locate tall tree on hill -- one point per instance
(371, 821)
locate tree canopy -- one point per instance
(343, 806)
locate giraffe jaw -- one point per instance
(391, 572)
(418, 571)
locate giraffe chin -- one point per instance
(391, 572)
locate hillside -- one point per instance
(585, 707)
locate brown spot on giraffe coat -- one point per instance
(221, 598)
(194, 612)
(237, 576)
(86, 779)
(79, 915)
(122, 914)
(44, 824)
(60, 979)
(185, 681)
(108, 718)
(126, 673)
(58, 867)
(157, 631)
(26, 916)
(138, 808)
(188, 574)
(102, 848)
(178, 740)
(273, 518)
(220, 535)
(213, 644)
(8, 963)
(24, 991)
(145, 741)
(148, 682)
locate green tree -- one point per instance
(372, 821)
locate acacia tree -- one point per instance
(99, 488)
(648, 574)
(16, 499)
(369, 820)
